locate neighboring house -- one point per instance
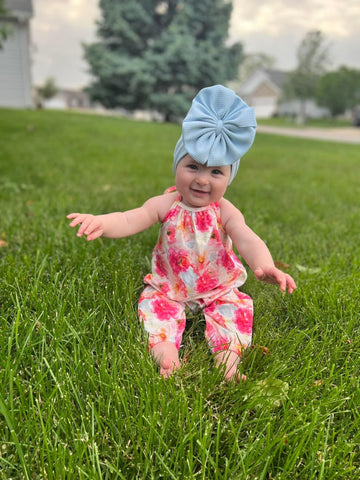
(15, 63)
(263, 90)
(68, 99)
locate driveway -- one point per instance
(345, 135)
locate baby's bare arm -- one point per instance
(249, 245)
(253, 249)
(122, 224)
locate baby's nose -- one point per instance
(202, 179)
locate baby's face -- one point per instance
(200, 185)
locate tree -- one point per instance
(47, 91)
(339, 90)
(253, 62)
(154, 54)
(4, 31)
(312, 58)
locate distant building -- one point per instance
(66, 99)
(15, 60)
(263, 90)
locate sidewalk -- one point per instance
(345, 134)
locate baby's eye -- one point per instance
(192, 166)
(216, 171)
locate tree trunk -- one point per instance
(301, 117)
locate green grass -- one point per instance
(81, 399)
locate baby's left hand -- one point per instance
(274, 275)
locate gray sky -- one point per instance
(274, 27)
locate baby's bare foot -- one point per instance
(228, 362)
(166, 356)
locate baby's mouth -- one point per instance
(199, 191)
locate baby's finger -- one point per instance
(276, 277)
(94, 235)
(291, 284)
(78, 219)
(72, 215)
(85, 227)
(282, 282)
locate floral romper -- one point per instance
(193, 265)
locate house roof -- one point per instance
(275, 79)
(21, 9)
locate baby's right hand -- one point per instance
(91, 225)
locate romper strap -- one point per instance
(170, 189)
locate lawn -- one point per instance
(81, 399)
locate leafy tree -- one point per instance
(49, 89)
(339, 90)
(249, 64)
(154, 54)
(3, 29)
(312, 58)
(46, 91)
(254, 61)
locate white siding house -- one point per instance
(263, 90)
(15, 62)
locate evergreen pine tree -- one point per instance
(155, 54)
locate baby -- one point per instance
(193, 263)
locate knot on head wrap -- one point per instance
(218, 129)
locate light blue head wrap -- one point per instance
(218, 129)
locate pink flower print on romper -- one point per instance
(178, 260)
(180, 289)
(162, 337)
(215, 237)
(217, 342)
(186, 225)
(164, 287)
(189, 277)
(207, 281)
(203, 220)
(171, 234)
(243, 320)
(165, 310)
(172, 213)
(225, 260)
(215, 315)
(160, 266)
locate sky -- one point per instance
(273, 27)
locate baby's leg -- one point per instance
(228, 361)
(228, 330)
(166, 356)
(164, 321)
